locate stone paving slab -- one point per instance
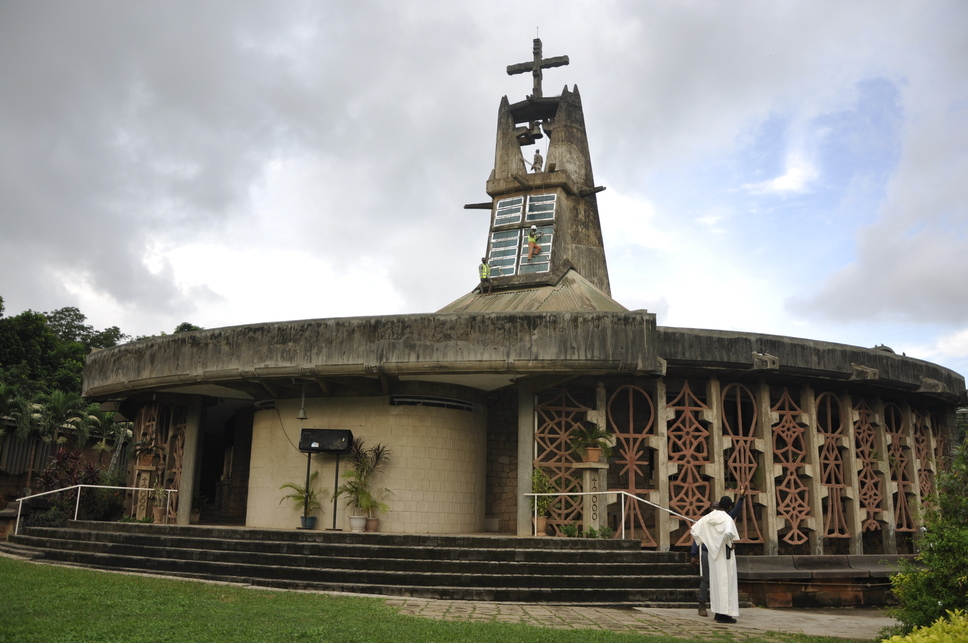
(769, 624)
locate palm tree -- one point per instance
(365, 462)
(58, 413)
(104, 423)
(53, 414)
(13, 413)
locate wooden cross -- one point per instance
(536, 65)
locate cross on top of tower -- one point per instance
(535, 66)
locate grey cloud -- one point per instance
(126, 125)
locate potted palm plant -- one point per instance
(364, 463)
(199, 503)
(591, 441)
(160, 509)
(305, 499)
(541, 505)
(144, 452)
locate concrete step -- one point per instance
(374, 548)
(360, 564)
(20, 551)
(453, 567)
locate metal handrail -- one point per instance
(77, 503)
(600, 493)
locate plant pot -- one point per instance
(372, 524)
(308, 522)
(540, 525)
(357, 523)
(158, 513)
(196, 516)
(592, 454)
(144, 459)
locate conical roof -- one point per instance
(571, 293)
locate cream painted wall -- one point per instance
(436, 475)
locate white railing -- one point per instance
(602, 493)
(77, 503)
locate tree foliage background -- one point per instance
(44, 352)
(940, 583)
(41, 368)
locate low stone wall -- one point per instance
(818, 581)
(8, 520)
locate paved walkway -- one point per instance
(858, 624)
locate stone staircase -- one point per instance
(547, 570)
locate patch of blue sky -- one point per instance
(786, 201)
(862, 149)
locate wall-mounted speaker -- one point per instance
(325, 440)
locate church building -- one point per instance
(837, 445)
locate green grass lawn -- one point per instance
(51, 604)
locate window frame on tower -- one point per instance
(508, 211)
(512, 219)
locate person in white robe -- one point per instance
(717, 531)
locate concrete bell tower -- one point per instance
(556, 196)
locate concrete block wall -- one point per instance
(436, 476)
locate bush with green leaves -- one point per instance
(53, 517)
(541, 483)
(948, 629)
(105, 504)
(939, 582)
(572, 531)
(65, 469)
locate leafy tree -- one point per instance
(184, 327)
(926, 593)
(28, 353)
(68, 324)
(44, 352)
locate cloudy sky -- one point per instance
(797, 167)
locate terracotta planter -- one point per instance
(372, 524)
(541, 525)
(592, 454)
(158, 513)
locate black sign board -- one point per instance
(325, 440)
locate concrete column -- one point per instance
(812, 469)
(526, 422)
(890, 487)
(767, 495)
(190, 460)
(665, 470)
(715, 468)
(851, 468)
(914, 464)
(593, 476)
